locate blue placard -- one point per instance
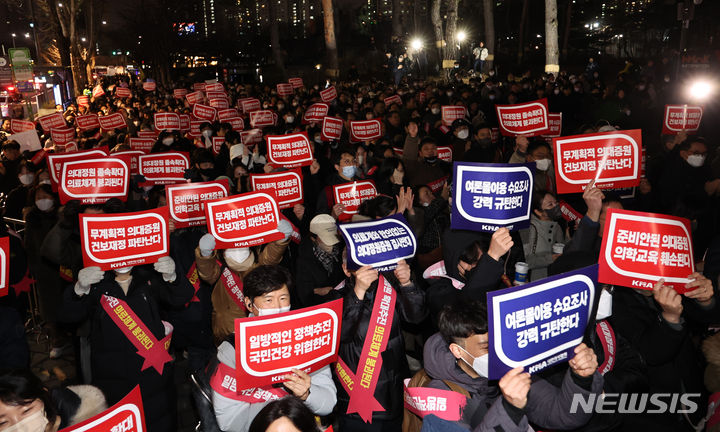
(491, 196)
(539, 324)
(380, 243)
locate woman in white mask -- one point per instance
(17, 199)
(539, 151)
(267, 292)
(25, 406)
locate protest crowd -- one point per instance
(407, 220)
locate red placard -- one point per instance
(214, 87)
(680, 118)
(285, 186)
(296, 82)
(262, 118)
(284, 89)
(529, 119)
(98, 91)
(187, 202)
(450, 113)
(17, 126)
(365, 130)
(4, 266)
(142, 144)
(199, 86)
(54, 120)
(640, 248)
(290, 151)
(249, 105)
(217, 143)
(112, 121)
(316, 112)
(184, 122)
(126, 416)
(227, 113)
(204, 112)
(56, 161)
(132, 156)
(555, 123)
(83, 100)
(269, 347)
(352, 194)
(87, 122)
(149, 86)
(394, 99)
(179, 93)
(332, 128)
(195, 97)
(237, 123)
(118, 240)
(251, 137)
(328, 95)
(215, 95)
(445, 154)
(612, 159)
(70, 147)
(164, 168)
(94, 181)
(62, 136)
(220, 103)
(245, 220)
(167, 121)
(195, 128)
(147, 134)
(122, 92)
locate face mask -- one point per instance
(627, 112)
(641, 88)
(265, 106)
(26, 179)
(271, 311)
(426, 204)
(696, 160)
(479, 364)
(554, 213)
(556, 91)
(485, 142)
(463, 134)
(435, 111)
(168, 141)
(449, 94)
(491, 97)
(123, 270)
(360, 159)
(542, 164)
(136, 123)
(207, 172)
(280, 107)
(318, 139)
(238, 260)
(36, 422)
(349, 171)
(289, 119)
(44, 204)
(431, 160)
(398, 177)
(604, 306)
(207, 133)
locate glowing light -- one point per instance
(461, 36)
(701, 90)
(416, 44)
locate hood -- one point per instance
(440, 363)
(454, 243)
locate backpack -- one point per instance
(411, 421)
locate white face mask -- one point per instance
(289, 119)
(479, 364)
(26, 179)
(36, 422)
(463, 134)
(604, 306)
(123, 270)
(435, 111)
(542, 164)
(44, 204)
(168, 140)
(360, 159)
(318, 139)
(207, 133)
(271, 311)
(696, 160)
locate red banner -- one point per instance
(328, 95)
(118, 240)
(286, 187)
(262, 118)
(4, 266)
(87, 122)
(445, 154)
(227, 113)
(569, 213)
(284, 89)
(142, 144)
(555, 125)
(251, 137)
(56, 161)
(290, 151)
(249, 105)
(204, 112)
(352, 194)
(94, 181)
(214, 87)
(296, 82)
(112, 121)
(199, 86)
(98, 91)
(217, 143)
(83, 101)
(147, 134)
(164, 168)
(529, 119)
(365, 130)
(132, 157)
(394, 99)
(332, 128)
(316, 112)
(612, 159)
(640, 248)
(422, 401)
(195, 97)
(54, 120)
(125, 416)
(269, 347)
(680, 118)
(187, 202)
(62, 136)
(220, 103)
(236, 123)
(450, 113)
(122, 92)
(245, 220)
(17, 126)
(179, 93)
(167, 121)
(149, 86)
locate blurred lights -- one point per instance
(461, 36)
(416, 44)
(701, 90)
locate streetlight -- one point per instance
(13, 38)
(104, 22)
(416, 44)
(701, 90)
(461, 36)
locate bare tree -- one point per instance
(333, 68)
(552, 54)
(489, 18)
(397, 27)
(521, 32)
(437, 27)
(69, 19)
(275, 39)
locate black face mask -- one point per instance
(207, 172)
(485, 143)
(554, 213)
